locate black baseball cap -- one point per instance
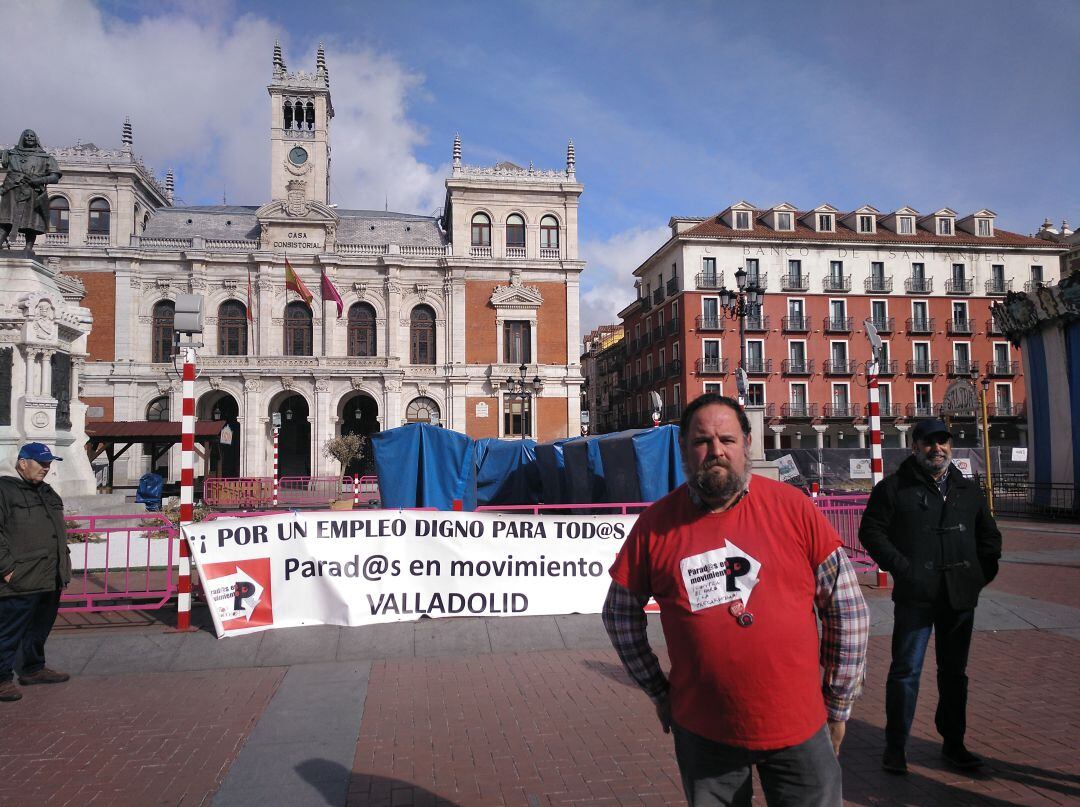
(925, 428)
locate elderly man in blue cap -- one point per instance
(932, 530)
(34, 567)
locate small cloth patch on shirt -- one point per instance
(719, 576)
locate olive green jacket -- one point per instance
(33, 539)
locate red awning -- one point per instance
(150, 431)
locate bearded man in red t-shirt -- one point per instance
(738, 564)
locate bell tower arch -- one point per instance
(300, 115)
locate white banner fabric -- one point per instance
(353, 568)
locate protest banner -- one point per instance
(326, 568)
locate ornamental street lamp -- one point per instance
(985, 384)
(745, 301)
(521, 389)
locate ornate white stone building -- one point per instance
(437, 310)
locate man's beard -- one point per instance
(933, 464)
(717, 488)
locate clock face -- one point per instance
(298, 156)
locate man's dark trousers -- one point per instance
(25, 622)
(911, 634)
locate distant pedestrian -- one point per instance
(34, 567)
(932, 530)
(738, 564)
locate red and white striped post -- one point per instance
(274, 431)
(876, 466)
(187, 489)
(356, 490)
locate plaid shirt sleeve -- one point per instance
(845, 629)
(626, 624)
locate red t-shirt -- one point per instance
(756, 687)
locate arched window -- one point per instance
(422, 336)
(298, 330)
(163, 317)
(309, 114)
(481, 230)
(145, 221)
(549, 233)
(232, 328)
(361, 330)
(98, 223)
(515, 231)
(422, 410)
(158, 409)
(58, 214)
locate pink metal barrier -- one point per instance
(609, 508)
(127, 563)
(256, 493)
(845, 515)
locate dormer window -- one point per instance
(825, 222)
(984, 227)
(742, 219)
(783, 221)
(905, 225)
(866, 223)
(944, 226)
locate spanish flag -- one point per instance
(293, 281)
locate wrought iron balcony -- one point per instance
(959, 368)
(959, 285)
(919, 285)
(1031, 285)
(672, 286)
(646, 303)
(881, 285)
(927, 367)
(793, 282)
(797, 366)
(923, 410)
(1002, 368)
(758, 323)
(886, 367)
(992, 328)
(889, 410)
(646, 338)
(673, 326)
(658, 333)
(711, 366)
(961, 326)
(920, 325)
(838, 367)
(885, 324)
(998, 286)
(709, 280)
(796, 324)
(840, 410)
(836, 283)
(839, 324)
(657, 296)
(706, 323)
(674, 367)
(759, 366)
(798, 411)
(760, 280)
(1000, 409)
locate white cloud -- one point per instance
(607, 285)
(194, 85)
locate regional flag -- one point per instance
(293, 281)
(328, 292)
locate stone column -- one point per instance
(329, 314)
(902, 428)
(862, 428)
(127, 292)
(777, 431)
(45, 384)
(322, 428)
(253, 449)
(820, 429)
(30, 359)
(264, 292)
(392, 337)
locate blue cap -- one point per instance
(38, 452)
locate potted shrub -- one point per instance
(344, 449)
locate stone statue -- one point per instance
(24, 200)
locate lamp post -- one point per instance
(521, 389)
(745, 301)
(986, 446)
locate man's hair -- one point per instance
(708, 399)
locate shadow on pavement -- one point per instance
(339, 786)
(865, 783)
(615, 672)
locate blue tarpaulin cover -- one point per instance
(642, 465)
(425, 466)
(552, 464)
(507, 472)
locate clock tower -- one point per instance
(300, 113)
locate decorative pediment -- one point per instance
(281, 211)
(516, 295)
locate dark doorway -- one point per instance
(360, 416)
(294, 440)
(225, 457)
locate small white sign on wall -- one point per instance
(481, 410)
(859, 469)
(787, 467)
(964, 464)
(1019, 454)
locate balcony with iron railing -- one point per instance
(836, 283)
(657, 296)
(919, 285)
(658, 333)
(759, 280)
(672, 412)
(839, 324)
(709, 280)
(770, 410)
(759, 366)
(838, 410)
(958, 368)
(922, 367)
(923, 410)
(920, 325)
(799, 411)
(1001, 409)
(795, 282)
(646, 339)
(992, 328)
(1031, 285)
(796, 324)
(672, 286)
(886, 367)
(674, 367)
(673, 326)
(884, 324)
(646, 303)
(710, 366)
(889, 410)
(961, 327)
(879, 285)
(838, 367)
(705, 322)
(756, 324)
(1002, 369)
(998, 285)
(797, 366)
(959, 285)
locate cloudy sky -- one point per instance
(675, 108)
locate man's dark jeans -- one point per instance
(25, 623)
(911, 634)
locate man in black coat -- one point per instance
(35, 565)
(932, 530)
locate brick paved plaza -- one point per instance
(526, 711)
